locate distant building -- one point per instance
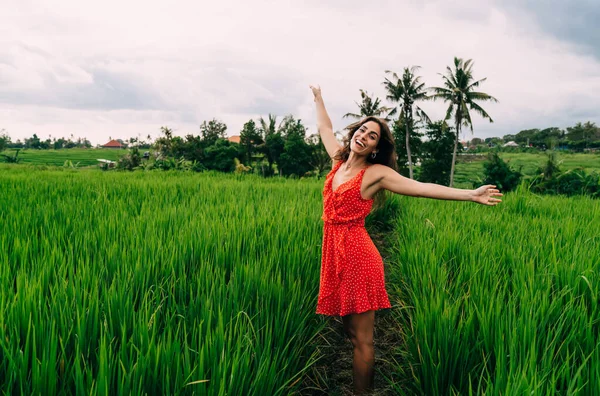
(117, 144)
(234, 139)
(510, 144)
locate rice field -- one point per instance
(206, 284)
(498, 300)
(469, 174)
(78, 156)
(156, 283)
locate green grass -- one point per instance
(498, 300)
(148, 282)
(85, 157)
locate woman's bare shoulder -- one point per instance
(379, 169)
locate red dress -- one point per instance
(352, 278)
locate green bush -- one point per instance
(130, 161)
(551, 180)
(498, 173)
(571, 182)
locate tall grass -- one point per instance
(179, 283)
(499, 300)
(157, 283)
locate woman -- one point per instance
(352, 278)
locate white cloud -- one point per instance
(120, 69)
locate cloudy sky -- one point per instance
(101, 69)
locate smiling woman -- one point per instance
(352, 281)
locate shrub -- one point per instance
(241, 168)
(551, 180)
(130, 161)
(498, 173)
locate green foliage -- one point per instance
(289, 126)
(586, 132)
(498, 173)
(250, 140)
(296, 156)
(572, 182)
(369, 107)
(209, 151)
(4, 140)
(320, 160)
(33, 142)
(220, 156)
(437, 154)
(551, 180)
(415, 144)
(212, 131)
(526, 136)
(274, 144)
(551, 167)
(191, 148)
(36, 143)
(12, 159)
(459, 91)
(130, 161)
(241, 168)
(170, 163)
(274, 137)
(407, 91)
(70, 165)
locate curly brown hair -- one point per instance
(386, 150)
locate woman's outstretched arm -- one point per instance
(391, 180)
(324, 125)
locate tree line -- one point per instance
(269, 145)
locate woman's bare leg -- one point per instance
(359, 328)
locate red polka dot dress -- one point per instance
(352, 278)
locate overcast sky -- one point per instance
(101, 69)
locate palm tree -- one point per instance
(459, 91)
(407, 91)
(268, 126)
(272, 143)
(368, 107)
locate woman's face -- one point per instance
(366, 138)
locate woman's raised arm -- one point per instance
(324, 124)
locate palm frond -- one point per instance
(481, 96)
(476, 83)
(449, 111)
(466, 115)
(394, 75)
(440, 93)
(351, 115)
(479, 110)
(422, 115)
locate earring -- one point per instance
(373, 155)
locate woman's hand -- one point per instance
(316, 91)
(484, 194)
